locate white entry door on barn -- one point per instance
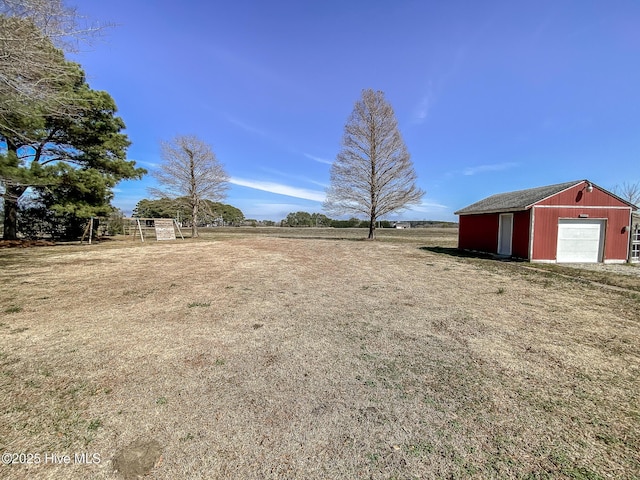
(580, 240)
(505, 233)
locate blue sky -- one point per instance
(490, 96)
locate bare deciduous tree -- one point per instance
(629, 192)
(34, 35)
(373, 174)
(191, 170)
(56, 21)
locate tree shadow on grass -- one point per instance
(456, 252)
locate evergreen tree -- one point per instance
(70, 163)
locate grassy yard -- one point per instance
(308, 353)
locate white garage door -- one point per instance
(580, 241)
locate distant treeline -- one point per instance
(306, 219)
(214, 214)
(431, 223)
(211, 213)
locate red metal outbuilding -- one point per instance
(568, 222)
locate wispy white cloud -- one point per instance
(318, 159)
(147, 164)
(423, 107)
(494, 167)
(297, 178)
(249, 128)
(274, 138)
(280, 189)
(438, 82)
(245, 67)
(427, 206)
(428, 209)
(320, 184)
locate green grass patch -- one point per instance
(199, 304)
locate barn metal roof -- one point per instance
(515, 201)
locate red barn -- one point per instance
(568, 222)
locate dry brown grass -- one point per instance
(264, 357)
(628, 282)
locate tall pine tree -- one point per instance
(69, 162)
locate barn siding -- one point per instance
(479, 232)
(546, 230)
(520, 242)
(578, 196)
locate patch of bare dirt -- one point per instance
(137, 459)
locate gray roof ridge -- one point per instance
(517, 199)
